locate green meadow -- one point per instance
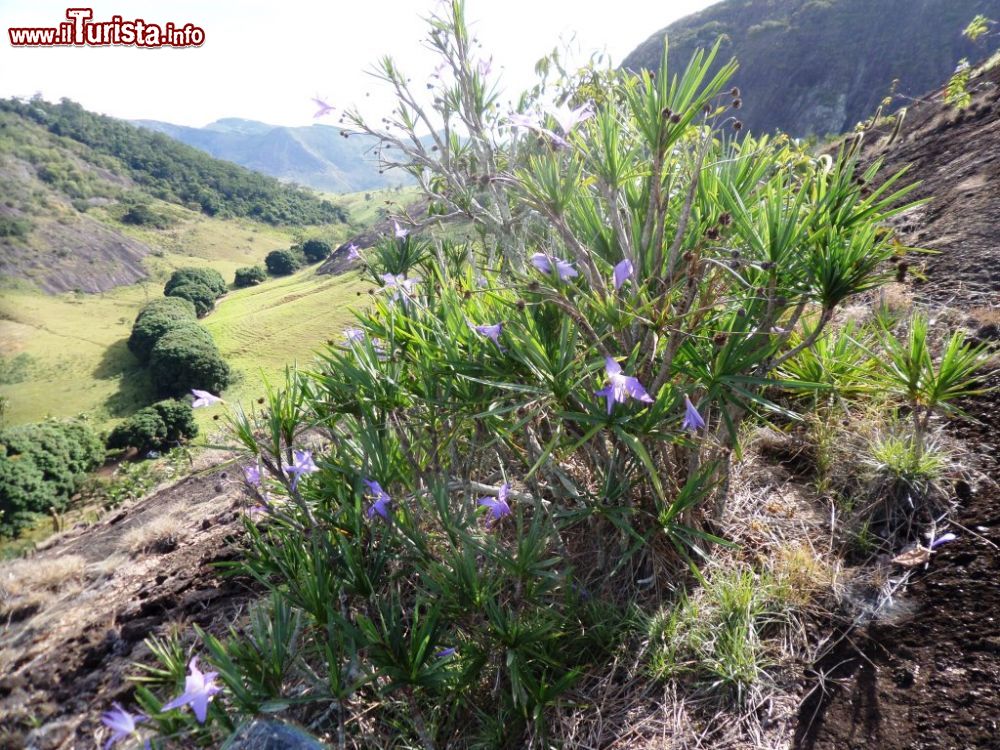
(64, 355)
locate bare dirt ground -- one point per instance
(932, 679)
(66, 649)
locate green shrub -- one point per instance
(143, 215)
(316, 250)
(249, 276)
(187, 358)
(41, 466)
(207, 277)
(155, 319)
(281, 263)
(159, 426)
(199, 295)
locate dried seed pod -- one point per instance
(737, 126)
(734, 92)
(725, 218)
(737, 103)
(901, 269)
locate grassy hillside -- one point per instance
(66, 354)
(820, 66)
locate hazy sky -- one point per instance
(265, 60)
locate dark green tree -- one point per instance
(281, 262)
(154, 320)
(199, 295)
(186, 358)
(207, 277)
(249, 276)
(316, 250)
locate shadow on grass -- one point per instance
(134, 388)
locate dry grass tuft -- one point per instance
(160, 535)
(39, 574)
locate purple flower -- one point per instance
(354, 335)
(302, 464)
(623, 272)
(523, 121)
(692, 419)
(400, 284)
(621, 387)
(324, 108)
(491, 332)
(564, 268)
(399, 231)
(445, 653)
(943, 539)
(121, 723)
(381, 498)
(204, 398)
(498, 505)
(252, 475)
(198, 691)
(530, 122)
(570, 118)
(483, 67)
(353, 252)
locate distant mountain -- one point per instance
(821, 66)
(317, 155)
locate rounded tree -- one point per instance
(199, 295)
(154, 320)
(281, 262)
(249, 276)
(186, 358)
(207, 277)
(316, 250)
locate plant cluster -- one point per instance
(249, 276)
(527, 440)
(200, 286)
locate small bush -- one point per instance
(316, 250)
(154, 320)
(156, 427)
(186, 358)
(249, 276)
(41, 466)
(281, 263)
(199, 295)
(207, 277)
(143, 215)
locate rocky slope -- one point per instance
(820, 66)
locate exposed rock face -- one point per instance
(820, 66)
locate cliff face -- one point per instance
(820, 66)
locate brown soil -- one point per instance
(931, 679)
(65, 658)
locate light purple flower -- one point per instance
(483, 67)
(121, 723)
(623, 272)
(445, 653)
(570, 118)
(353, 252)
(324, 108)
(492, 332)
(252, 475)
(564, 268)
(302, 463)
(692, 419)
(621, 387)
(381, 498)
(204, 398)
(498, 505)
(530, 122)
(354, 335)
(402, 285)
(198, 691)
(399, 231)
(943, 539)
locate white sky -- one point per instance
(264, 60)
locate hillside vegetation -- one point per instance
(821, 66)
(318, 155)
